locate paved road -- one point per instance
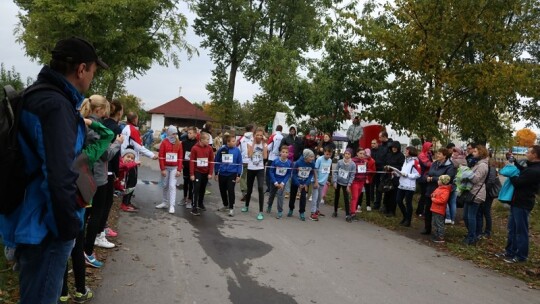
(179, 258)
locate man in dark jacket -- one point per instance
(45, 225)
(526, 185)
(394, 158)
(293, 139)
(380, 162)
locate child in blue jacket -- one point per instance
(228, 169)
(302, 176)
(280, 172)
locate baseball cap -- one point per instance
(76, 50)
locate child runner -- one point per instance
(201, 168)
(342, 178)
(360, 177)
(228, 170)
(280, 172)
(189, 142)
(369, 188)
(127, 173)
(302, 175)
(170, 163)
(323, 164)
(257, 153)
(439, 198)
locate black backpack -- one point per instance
(13, 179)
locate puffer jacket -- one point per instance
(526, 185)
(480, 171)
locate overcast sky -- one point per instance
(157, 86)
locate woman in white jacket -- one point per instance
(410, 171)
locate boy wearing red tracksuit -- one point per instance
(170, 164)
(360, 177)
(201, 168)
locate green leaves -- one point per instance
(130, 35)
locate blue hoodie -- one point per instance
(230, 166)
(303, 172)
(507, 190)
(278, 175)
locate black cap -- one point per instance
(76, 50)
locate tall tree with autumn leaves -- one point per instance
(453, 63)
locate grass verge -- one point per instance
(483, 254)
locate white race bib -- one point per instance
(188, 153)
(303, 172)
(325, 169)
(171, 157)
(343, 173)
(202, 162)
(361, 169)
(281, 171)
(227, 158)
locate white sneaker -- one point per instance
(171, 209)
(162, 206)
(322, 202)
(359, 209)
(448, 221)
(101, 241)
(310, 198)
(368, 208)
(231, 213)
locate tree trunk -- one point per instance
(111, 87)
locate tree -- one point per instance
(262, 38)
(129, 35)
(132, 103)
(9, 77)
(451, 63)
(525, 138)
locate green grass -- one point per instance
(483, 254)
(9, 284)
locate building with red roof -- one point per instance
(178, 112)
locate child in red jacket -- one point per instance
(369, 188)
(170, 164)
(439, 198)
(127, 176)
(201, 167)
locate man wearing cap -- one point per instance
(44, 227)
(354, 133)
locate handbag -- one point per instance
(386, 185)
(494, 188)
(86, 185)
(465, 197)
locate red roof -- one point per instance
(181, 108)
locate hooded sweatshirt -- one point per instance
(170, 154)
(202, 159)
(344, 173)
(187, 145)
(228, 161)
(280, 172)
(425, 158)
(526, 185)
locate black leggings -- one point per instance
(345, 198)
(188, 187)
(79, 266)
(94, 216)
(369, 194)
(199, 188)
(108, 202)
(251, 174)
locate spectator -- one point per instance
(46, 223)
(354, 133)
(379, 154)
(526, 186)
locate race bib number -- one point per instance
(171, 157)
(361, 169)
(281, 171)
(325, 169)
(202, 162)
(303, 172)
(227, 158)
(186, 157)
(343, 173)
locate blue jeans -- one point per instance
(42, 270)
(451, 206)
(517, 244)
(485, 212)
(470, 217)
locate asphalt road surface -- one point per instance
(180, 258)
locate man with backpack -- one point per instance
(51, 132)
